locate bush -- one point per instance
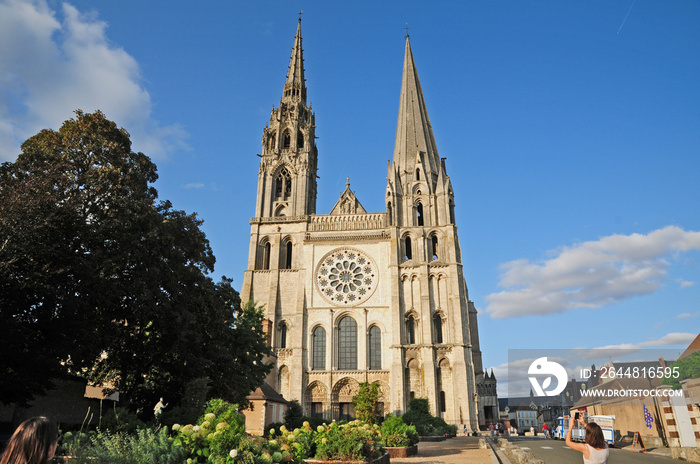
(192, 404)
(396, 432)
(425, 423)
(275, 426)
(314, 422)
(145, 447)
(250, 451)
(121, 419)
(217, 433)
(294, 415)
(351, 441)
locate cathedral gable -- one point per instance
(348, 203)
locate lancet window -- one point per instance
(347, 344)
(411, 330)
(375, 348)
(318, 349)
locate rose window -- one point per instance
(346, 277)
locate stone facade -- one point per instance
(353, 296)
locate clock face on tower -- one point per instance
(346, 277)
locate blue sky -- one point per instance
(571, 131)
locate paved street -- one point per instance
(556, 452)
(458, 450)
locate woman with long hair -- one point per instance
(34, 442)
(595, 450)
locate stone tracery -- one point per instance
(346, 276)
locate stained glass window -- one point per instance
(347, 344)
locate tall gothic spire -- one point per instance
(414, 133)
(295, 85)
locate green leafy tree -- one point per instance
(686, 368)
(366, 403)
(98, 277)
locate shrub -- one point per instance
(250, 451)
(192, 404)
(217, 433)
(145, 447)
(426, 424)
(351, 441)
(294, 415)
(121, 419)
(396, 432)
(273, 425)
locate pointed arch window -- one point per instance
(437, 326)
(389, 213)
(347, 344)
(434, 245)
(300, 140)
(452, 211)
(375, 348)
(262, 260)
(266, 256)
(286, 256)
(283, 185)
(411, 330)
(283, 336)
(318, 344)
(419, 214)
(417, 174)
(286, 139)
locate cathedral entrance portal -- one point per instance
(341, 399)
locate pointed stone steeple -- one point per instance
(420, 193)
(295, 85)
(415, 142)
(287, 176)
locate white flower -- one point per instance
(196, 428)
(233, 453)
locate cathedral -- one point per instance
(353, 296)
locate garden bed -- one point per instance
(401, 451)
(384, 459)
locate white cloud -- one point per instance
(590, 274)
(687, 315)
(54, 62)
(685, 283)
(671, 339)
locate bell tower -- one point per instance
(419, 192)
(287, 176)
